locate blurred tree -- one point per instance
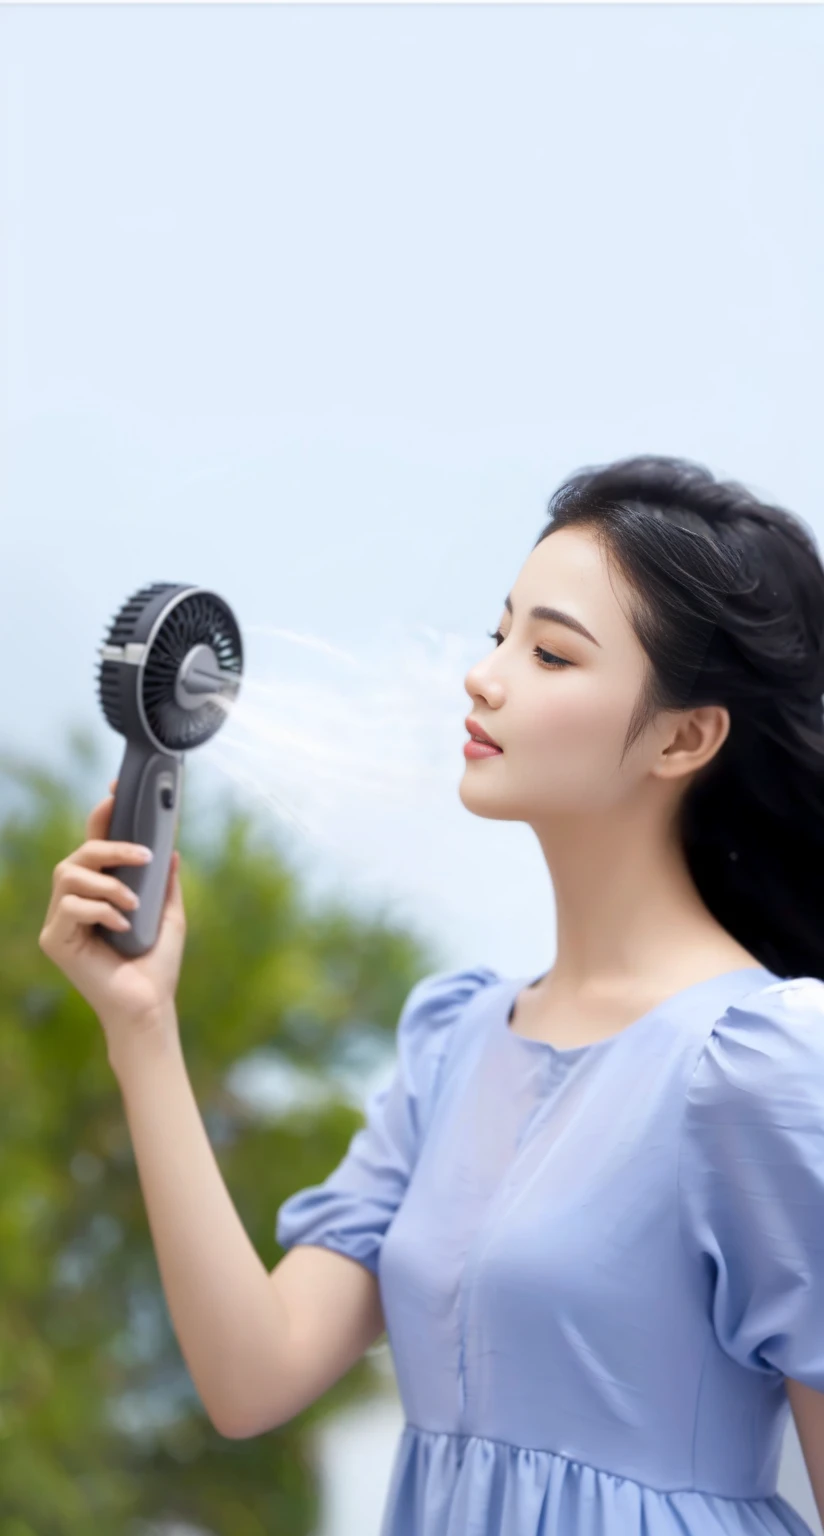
(101, 1430)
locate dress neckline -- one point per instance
(695, 987)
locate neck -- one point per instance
(627, 908)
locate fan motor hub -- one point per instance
(199, 674)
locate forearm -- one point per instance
(223, 1306)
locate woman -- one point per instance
(589, 1208)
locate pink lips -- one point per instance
(481, 749)
(475, 729)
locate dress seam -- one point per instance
(543, 1450)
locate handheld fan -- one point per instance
(171, 667)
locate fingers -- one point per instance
(83, 913)
(78, 880)
(78, 901)
(101, 853)
(80, 877)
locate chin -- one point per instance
(491, 806)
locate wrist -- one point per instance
(134, 1046)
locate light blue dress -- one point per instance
(597, 1265)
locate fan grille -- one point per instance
(122, 630)
(201, 619)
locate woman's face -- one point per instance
(562, 728)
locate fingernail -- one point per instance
(147, 853)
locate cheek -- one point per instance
(576, 736)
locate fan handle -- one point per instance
(146, 810)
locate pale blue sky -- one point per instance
(317, 305)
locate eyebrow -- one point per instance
(556, 616)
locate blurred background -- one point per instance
(315, 306)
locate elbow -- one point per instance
(233, 1429)
(233, 1432)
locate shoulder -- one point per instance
(751, 1178)
(764, 1052)
(435, 1004)
(426, 1029)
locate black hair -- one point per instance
(727, 600)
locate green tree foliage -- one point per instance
(102, 1432)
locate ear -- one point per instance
(696, 736)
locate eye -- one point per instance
(545, 658)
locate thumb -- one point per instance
(174, 894)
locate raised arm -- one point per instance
(259, 1346)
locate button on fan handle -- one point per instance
(146, 810)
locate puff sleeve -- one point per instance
(751, 1178)
(352, 1209)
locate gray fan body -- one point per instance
(146, 810)
(172, 651)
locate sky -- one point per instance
(316, 306)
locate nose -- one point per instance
(479, 684)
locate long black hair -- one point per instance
(728, 604)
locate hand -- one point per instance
(130, 996)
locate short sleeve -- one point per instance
(352, 1209)
(751, 1178)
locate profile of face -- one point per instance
(559, 703)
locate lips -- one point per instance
(475, 729)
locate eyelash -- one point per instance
(554, 663)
